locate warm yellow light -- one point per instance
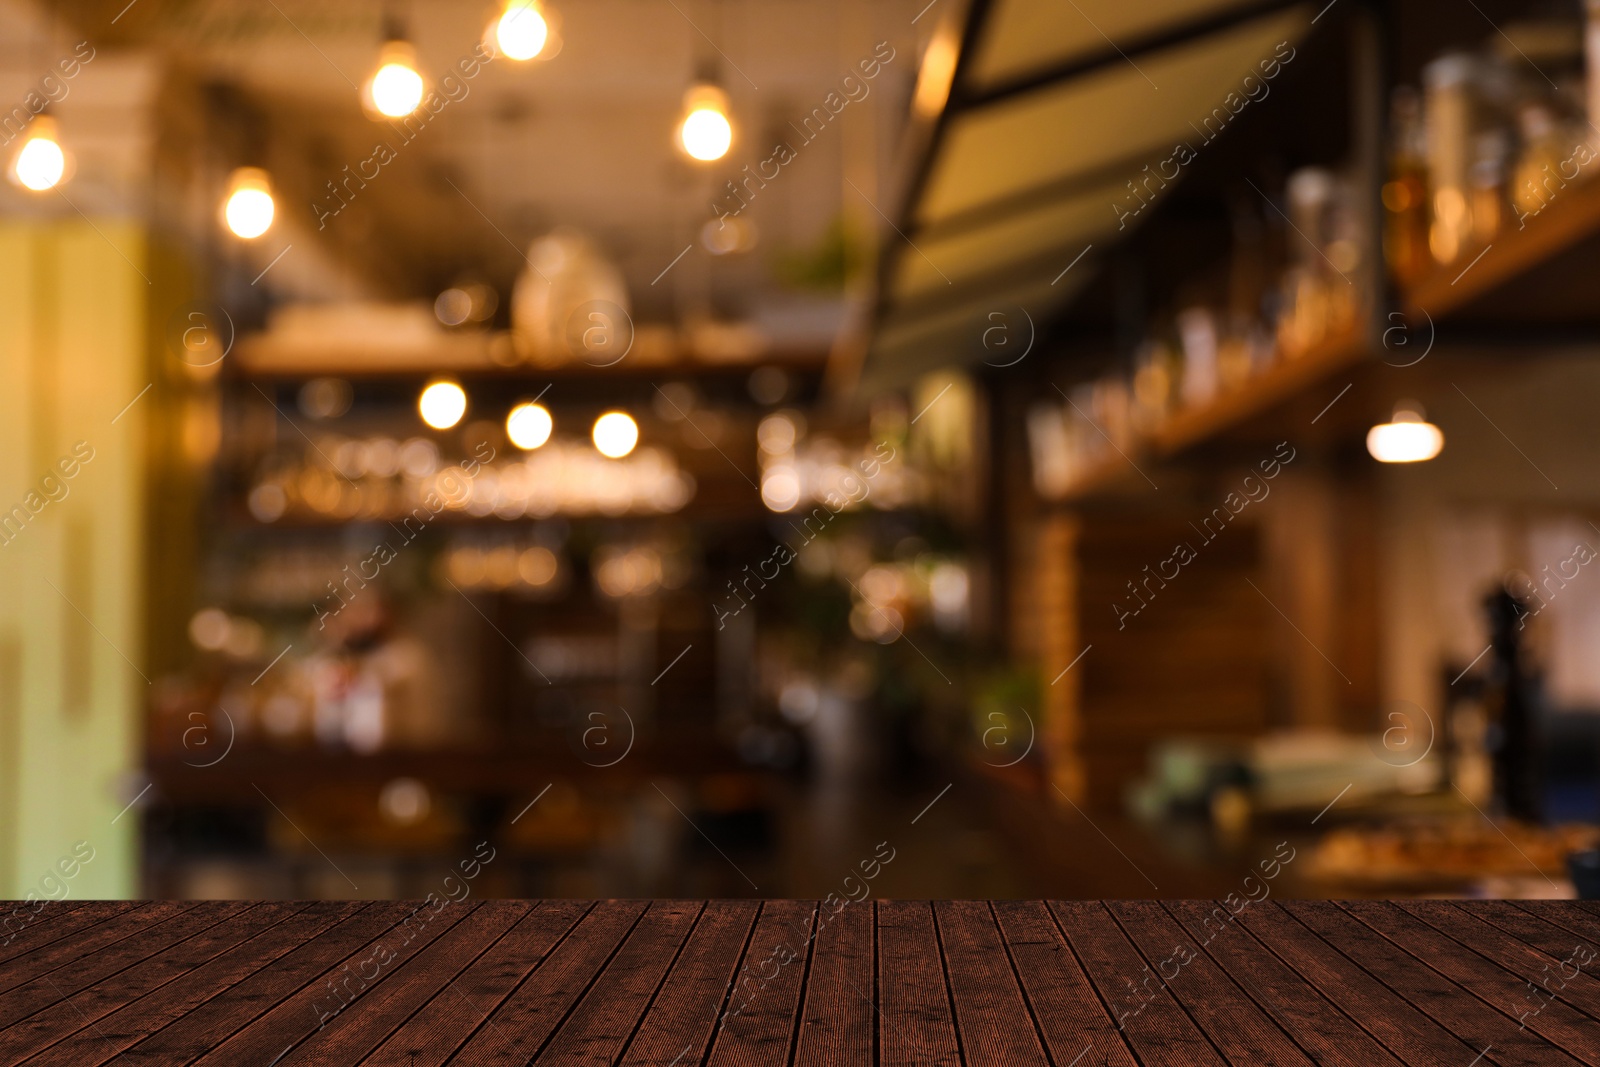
(937, 72)
(521, 31)
(706, 133)
(780, 487)
(1408, 439)
(442, 404)
(249, 208)
(396, 88)
(529, 426)
(615, 434)
(40, 163)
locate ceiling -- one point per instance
(582, 140)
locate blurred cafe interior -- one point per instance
(685, 446)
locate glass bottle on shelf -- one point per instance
(1491, 150)
(1448, 105)
(1197, 327)
(1154, 386)
(1307, 283)
(1405, 194)
(1539, 173)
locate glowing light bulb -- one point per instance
(780, 487)
(935, 75)
(529, 426)
(396, 88)
(520, 33)
(442, 404)
(40, 163)
(706, 133)
(1409, 438)
(615, 434)
(249, 208)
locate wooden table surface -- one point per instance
(785, 982)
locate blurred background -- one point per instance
(692, 447)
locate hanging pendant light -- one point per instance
(529, 425)
(442, 403)
(706, 132)
(615, 433)
(1407, 438)
(396, 88)
(521, 31)
(248, 208)
(41, 163)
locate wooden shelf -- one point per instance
(1191, 426)
(489, 356)
(1571, 217)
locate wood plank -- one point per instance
(1442, 1000)
(86, 1006)
(235, 1008)
(681, 984)
(837, 1014)
(1572, 218)
(679, 1025)
(1405, 1031)
(532, 1013)
(1300, 1008)
(1229, 1014)
(1072, 1018)
(1515, 953)
(758, 1020)
(1499, 988)
(602, 1023)
(414, 981)
(116, 1031)
(1553, 926)
(992, 1018)
(916, 1027)
(77, 941)
(21, 926)
(447, 1022)
(1153, 1024)
(176, 922)
(412, 927)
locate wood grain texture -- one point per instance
(797, 983)
(915, 1027)
(1327, 1033)
(1445, 1001)
(995, 1024)
(757, 1024)
(1225, 1008)
(1151, 1021)
(680, 1022)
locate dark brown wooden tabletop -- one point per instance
(681, 982)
